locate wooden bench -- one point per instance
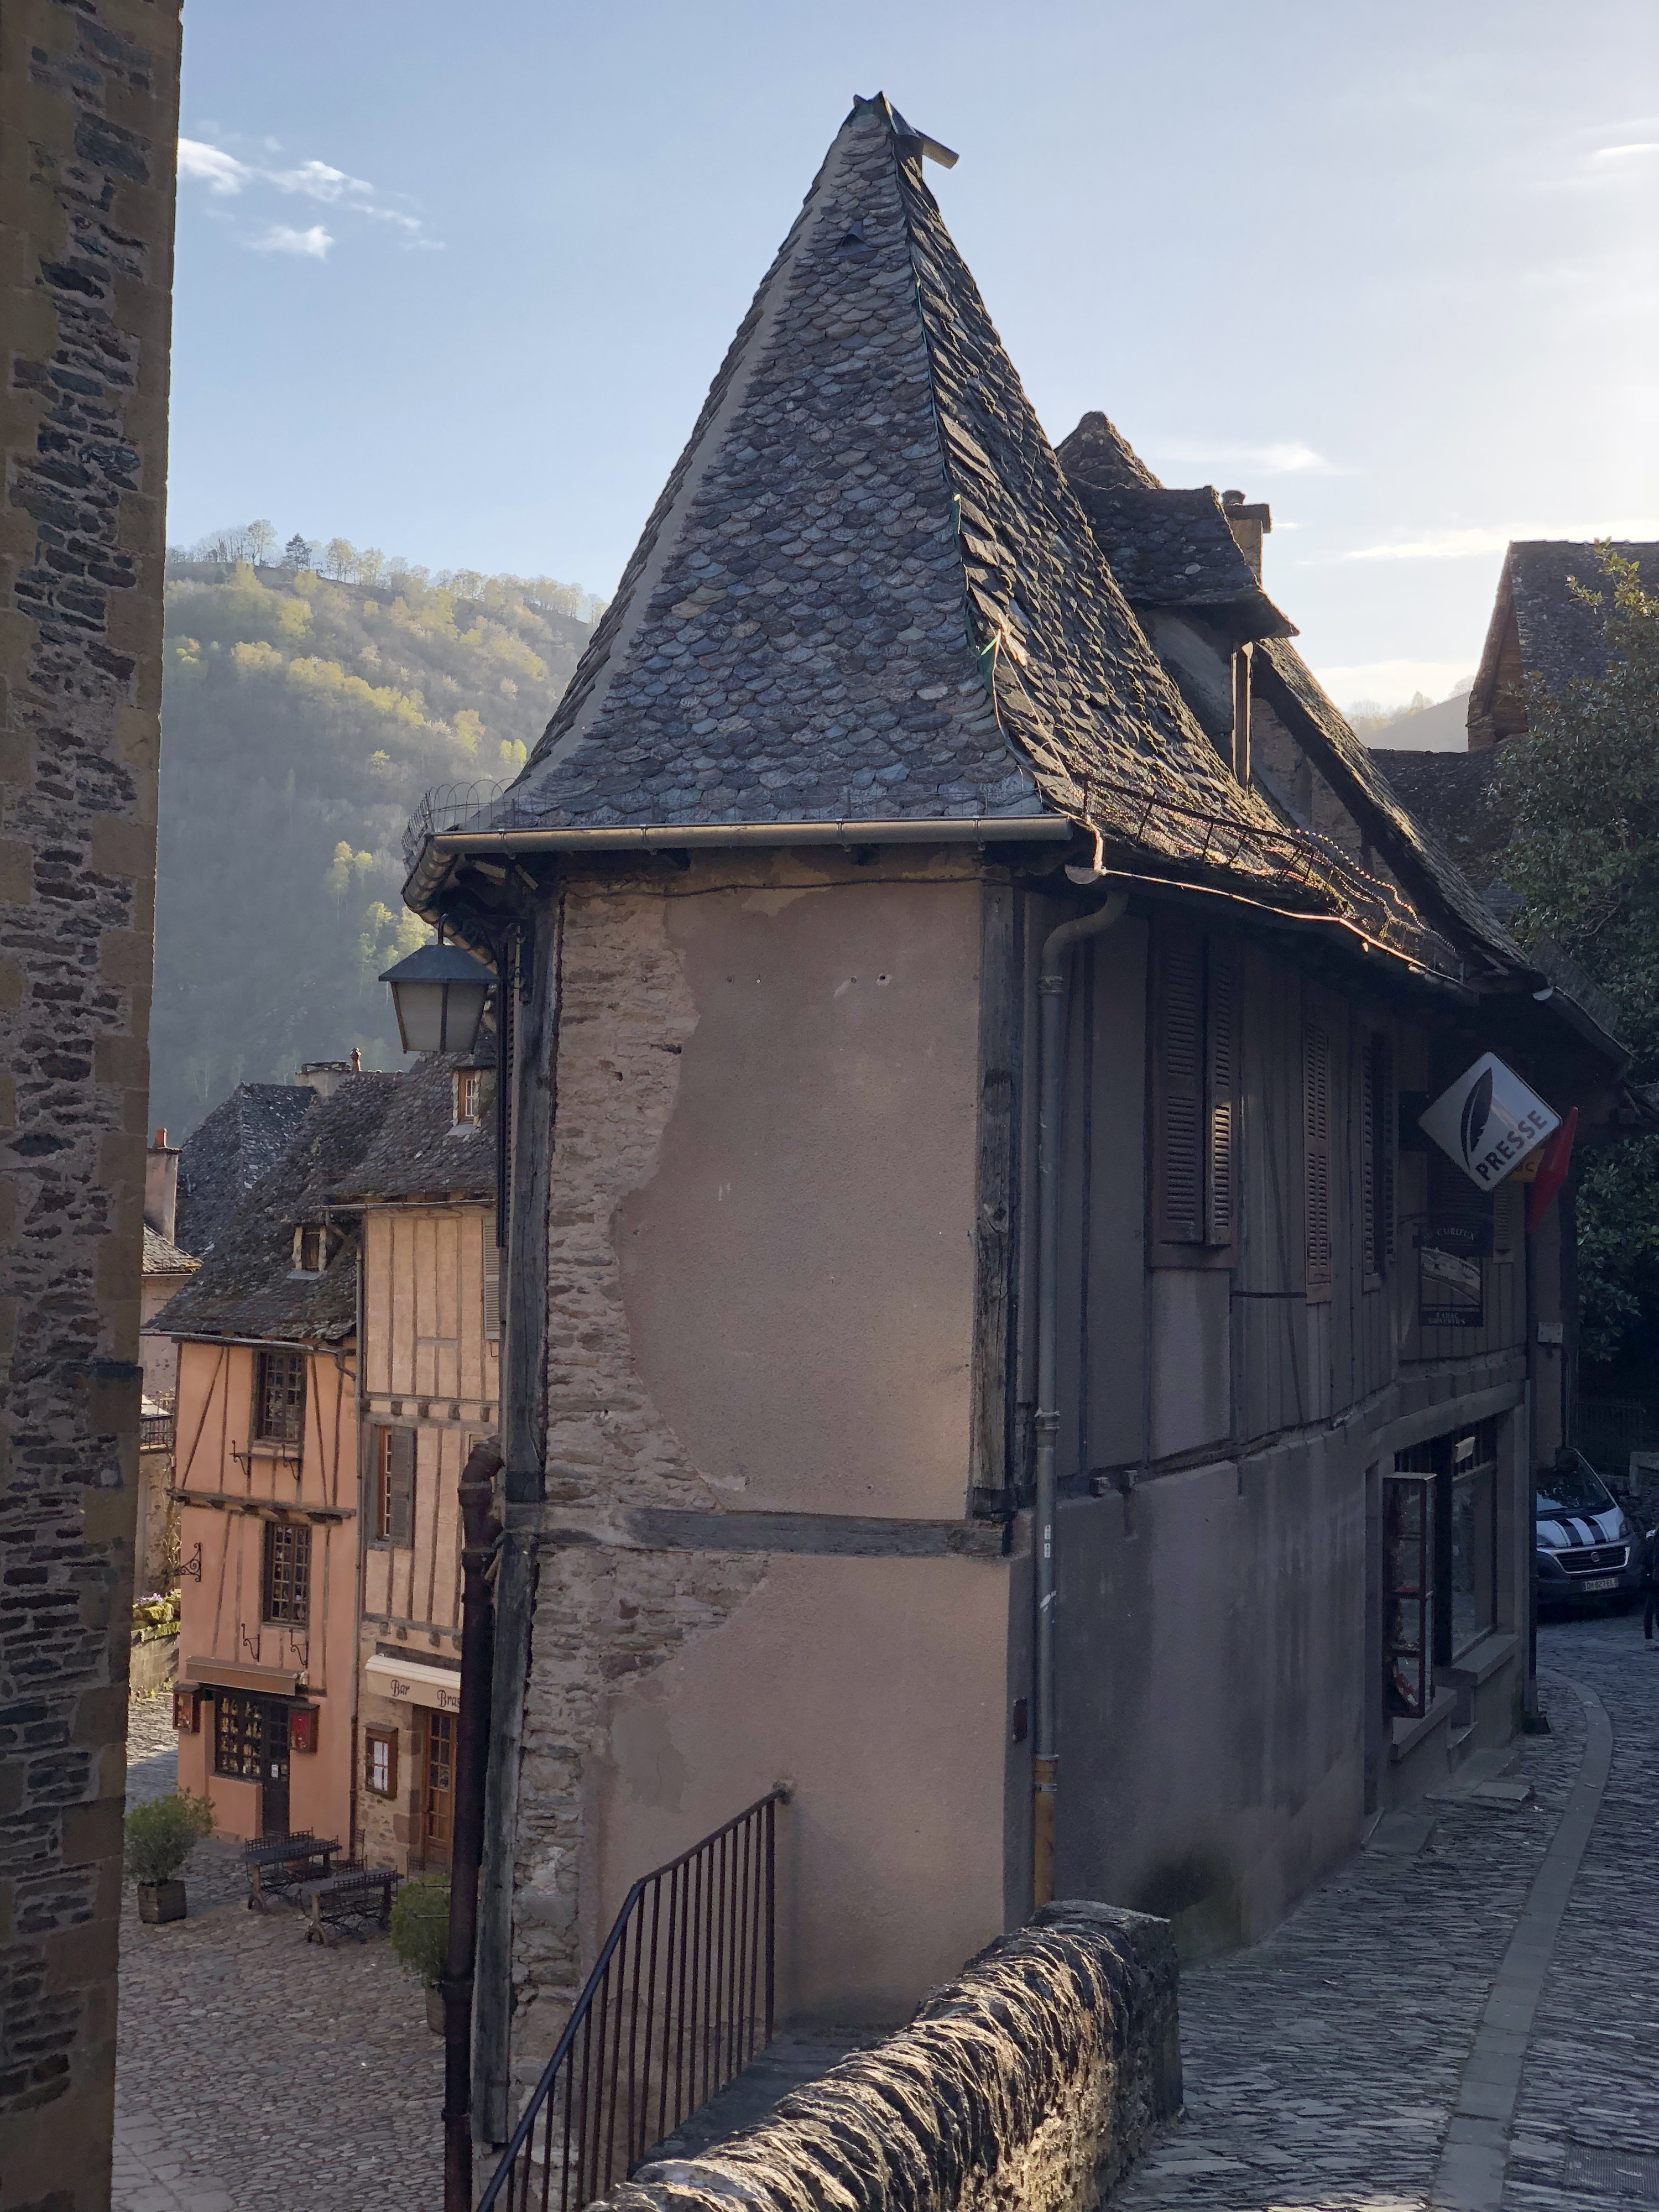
(278, 1867)
(356, 1902)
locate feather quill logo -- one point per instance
(1477, 1112)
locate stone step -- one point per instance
(793, 2058)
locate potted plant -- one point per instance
(420, 1937)
(161, 1837)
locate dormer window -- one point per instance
(314, 1247)
(469, 1097)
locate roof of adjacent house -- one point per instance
(1451, 795)
(222, 1159)
(248, 1286)
(1167, 548)
(163, 1257)
(421, 1149)
(1540, 628)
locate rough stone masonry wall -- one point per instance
(88, 119)
(602, 1615)
(1029, 2084)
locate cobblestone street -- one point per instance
(1323, 2067)
(257, 2072)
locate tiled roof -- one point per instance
(221, 1159)
(1166, 548)
(1561, 638)
(164, 1258)
(1451, 795)
(246, 1285)
(867, 590)
(420, 1149)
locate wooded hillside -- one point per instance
(301, 720)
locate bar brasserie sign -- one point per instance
(1488, 1122)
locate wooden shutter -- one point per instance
(492, 1288)
(1178, 1065)
(1388, 1149)
(1316, 1157)
(1369, 1164)
(400, 1487)
(1221, 1053)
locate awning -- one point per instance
(412, 1684)
(220, 1674)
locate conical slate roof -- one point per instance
(866, 589)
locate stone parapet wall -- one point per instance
(1029, 2084)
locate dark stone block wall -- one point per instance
(1029, 2084)
(88, 121)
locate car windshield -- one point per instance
(1575, 1489)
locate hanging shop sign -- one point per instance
(1488, 1122)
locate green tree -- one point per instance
(1582, 789)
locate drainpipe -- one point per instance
(1051, 988)
(479, 1530)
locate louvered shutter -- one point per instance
(492, 1289)
(1316, 1157)
(1386, 1147)
(400, 1487)
(1221, 1052)
(1178, 1136)
(1369, 1165)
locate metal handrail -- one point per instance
(679, 2001)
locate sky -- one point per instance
(453, 282)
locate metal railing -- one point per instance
(156, 1431)
(679, 2001)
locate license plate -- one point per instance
(1600, 1583)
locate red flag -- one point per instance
(1553, 1156)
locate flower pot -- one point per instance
(434, 2011)
(160, 1902)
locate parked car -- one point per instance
(1587, 1547)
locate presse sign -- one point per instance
(1488, 1121)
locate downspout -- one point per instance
(1052, 982)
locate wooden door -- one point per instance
(273, 1770)
(437, 1789)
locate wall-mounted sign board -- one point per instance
(1488, 1122)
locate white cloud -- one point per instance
(1467, 544)
(280, 239)
(225, 174)
(1290, 457)
(1626, 152)
(220, 172)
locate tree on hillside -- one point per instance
(1582, 786)
(340, 560)
(299, 553)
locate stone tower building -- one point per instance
(88, 120)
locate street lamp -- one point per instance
(439, 994)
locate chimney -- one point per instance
(1249, 523)
(161, 1185)
(324, 1077)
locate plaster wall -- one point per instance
(1212, 1640)
(874, 1687)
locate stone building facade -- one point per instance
(89, 119)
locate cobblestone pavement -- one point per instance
(1323, 2065)
(256, 2072)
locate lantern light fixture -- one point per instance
(438, 995)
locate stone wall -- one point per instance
(88, 118)
(1029, 2084)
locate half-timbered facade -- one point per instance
(986, 1343)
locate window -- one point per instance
(314, 1247)
(1317, 1260)
(1377, 1154)
(1195, 1076)
(238, 1735)
(1471, 1522)
(392, 1507)
(287, 1576)
(279, 1398)
(469, 1095)
(438, 1789)
(380, 1761)
(1407, 1590)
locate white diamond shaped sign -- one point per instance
(1488, 1121)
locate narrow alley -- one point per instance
(1323, 2067)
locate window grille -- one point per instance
(288, 1573)
(279, 1398)
(469, 1094)
(438, 1795)
(380, 1761)
(393, 1504)
(238, 1735)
